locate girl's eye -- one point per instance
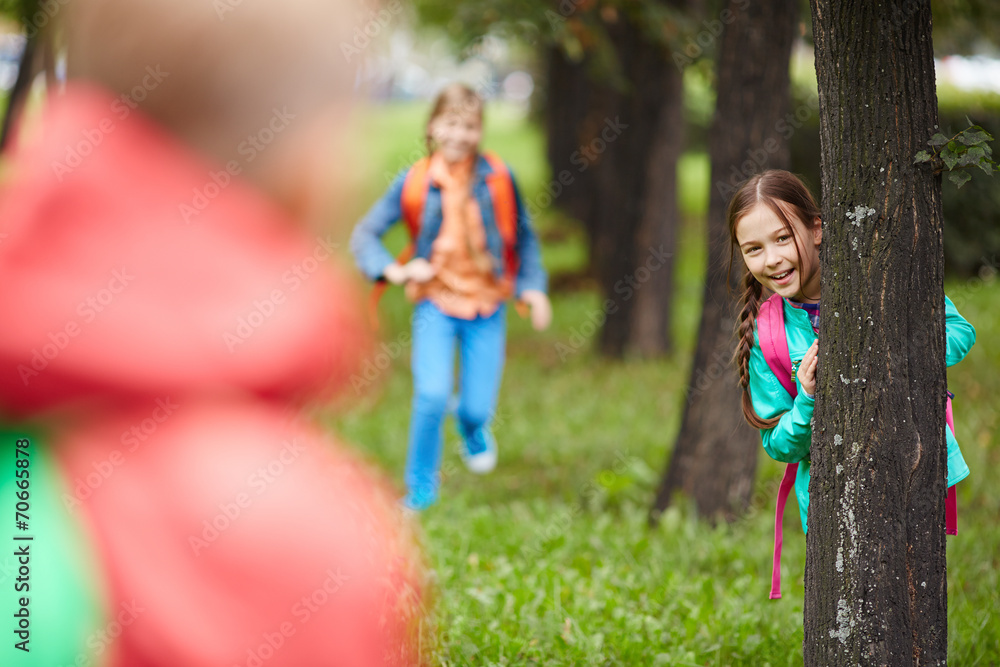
(751, 250)
(784, 237)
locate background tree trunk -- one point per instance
(619, 141)
(572, 121)
(656, 237)
(623, 263)
(715, 455)
(875, 566)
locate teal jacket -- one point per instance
(791, 437)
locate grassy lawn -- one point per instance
(548, 560)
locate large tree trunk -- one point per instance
(613, 148)
(875, 554)
(715, 456)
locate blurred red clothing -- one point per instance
(182, 345)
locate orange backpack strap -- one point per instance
(412, 201)
(501, 186)
(418, 181)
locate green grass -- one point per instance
(549, 561)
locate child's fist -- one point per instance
(419, 270)
(541, 309)
(395, 274)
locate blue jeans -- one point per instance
(481, 346)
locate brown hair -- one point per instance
(786, 195)
(455, 98)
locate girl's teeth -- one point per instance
(782, 275)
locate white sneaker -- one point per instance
(485, 461)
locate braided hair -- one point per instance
(787, 196)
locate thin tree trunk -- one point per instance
(876, 590)
(715, 456)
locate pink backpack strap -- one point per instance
(774, 345)
(787, 482)
(774, 342)
(951, 502)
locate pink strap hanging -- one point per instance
(951, 502)
(774, 345)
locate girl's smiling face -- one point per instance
(784, 262)
(457, 134)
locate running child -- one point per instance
(473, 249)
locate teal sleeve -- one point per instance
(960, 336)
(790, 439)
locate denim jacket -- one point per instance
(372, 257)
(789, 440)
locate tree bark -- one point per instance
(626, 266)
(649, 334)
(715, 455)
(616, 142)
(573, 113)
(876, 590)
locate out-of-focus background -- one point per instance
(549, 560)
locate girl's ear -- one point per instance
(817, 230)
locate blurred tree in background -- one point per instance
(715, 457)
(613, 115)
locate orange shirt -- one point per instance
(466, 284)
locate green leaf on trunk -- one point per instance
(938, 140)
(959, 178)
(973, 138)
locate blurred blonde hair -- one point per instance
(225, 69)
